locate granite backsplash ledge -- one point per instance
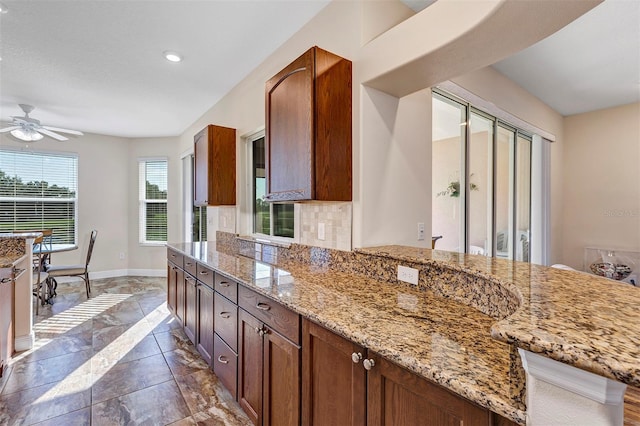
(480, 291)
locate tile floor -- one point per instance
(118, 358)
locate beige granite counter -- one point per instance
(12, 247)
(438, 338)
(580, 319)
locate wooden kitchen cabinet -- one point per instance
(174, 273)
(268, 371)
(344, 383)
(308, 129)
(333, 386)
(215, 166)
(180, 295)
(205, 322)
(190, 307)
(396, 396)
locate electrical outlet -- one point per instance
(408, 275)
(121, 255)
(321, 231)
(420, 231)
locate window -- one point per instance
(272, 219)
(195, 217)
(39, 191)
(481, 181)
(153, 201)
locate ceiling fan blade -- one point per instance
(52, 134)
(8, 129)
(57, 129)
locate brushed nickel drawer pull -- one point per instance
(188, 263)
(223, 359)
(224, 284)
(173, 255)
(263, 306)
(204, 273)
(225, 315)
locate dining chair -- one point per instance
(39, 275)
(81, 271)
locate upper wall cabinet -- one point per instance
(215, 166)
(308, 129)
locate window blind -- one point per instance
(39, 191)
(153, 201)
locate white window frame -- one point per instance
(46, 199)
(142, 212)
(248, 219)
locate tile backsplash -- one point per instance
(336, 217)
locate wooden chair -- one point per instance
(81, 271)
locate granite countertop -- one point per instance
(12, 247)
(438, 338)
(580, 319)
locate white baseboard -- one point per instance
(24, 343)
(114, 273)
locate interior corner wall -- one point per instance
(601, 182)
(103, 179)
(146, 257)
(396, 149)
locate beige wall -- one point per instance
(108, 198)
(601, 187)
(146, 257)
(103, 181)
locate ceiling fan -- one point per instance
(29, 129)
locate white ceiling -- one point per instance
(97, 66)
(592, 63)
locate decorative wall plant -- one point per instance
(453, 189)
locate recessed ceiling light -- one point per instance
(172, 56)
(3, 8)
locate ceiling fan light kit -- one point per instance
(29, 129)
(26, 135)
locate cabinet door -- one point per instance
(290, 130)
(334, 387)
(215, 166)
(180, 294)
(172, 277)
(281, 389)
(396, 396)
(250, 366)
(201, 168)
(204, 333)
(190, 307)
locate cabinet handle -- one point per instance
(173, 255)
(356, 357)
(223, 359)
(368, 364)
(261, 331)
(224, 284)
(225, 315)
(204, 273)
(263, 306)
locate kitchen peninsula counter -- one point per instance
(462, 324)
(440, 339)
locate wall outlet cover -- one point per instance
(408, 275)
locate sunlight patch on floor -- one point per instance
(73, 317)
(124, 343)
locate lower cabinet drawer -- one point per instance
(226, 321)
(225, 365)
(275, 315)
